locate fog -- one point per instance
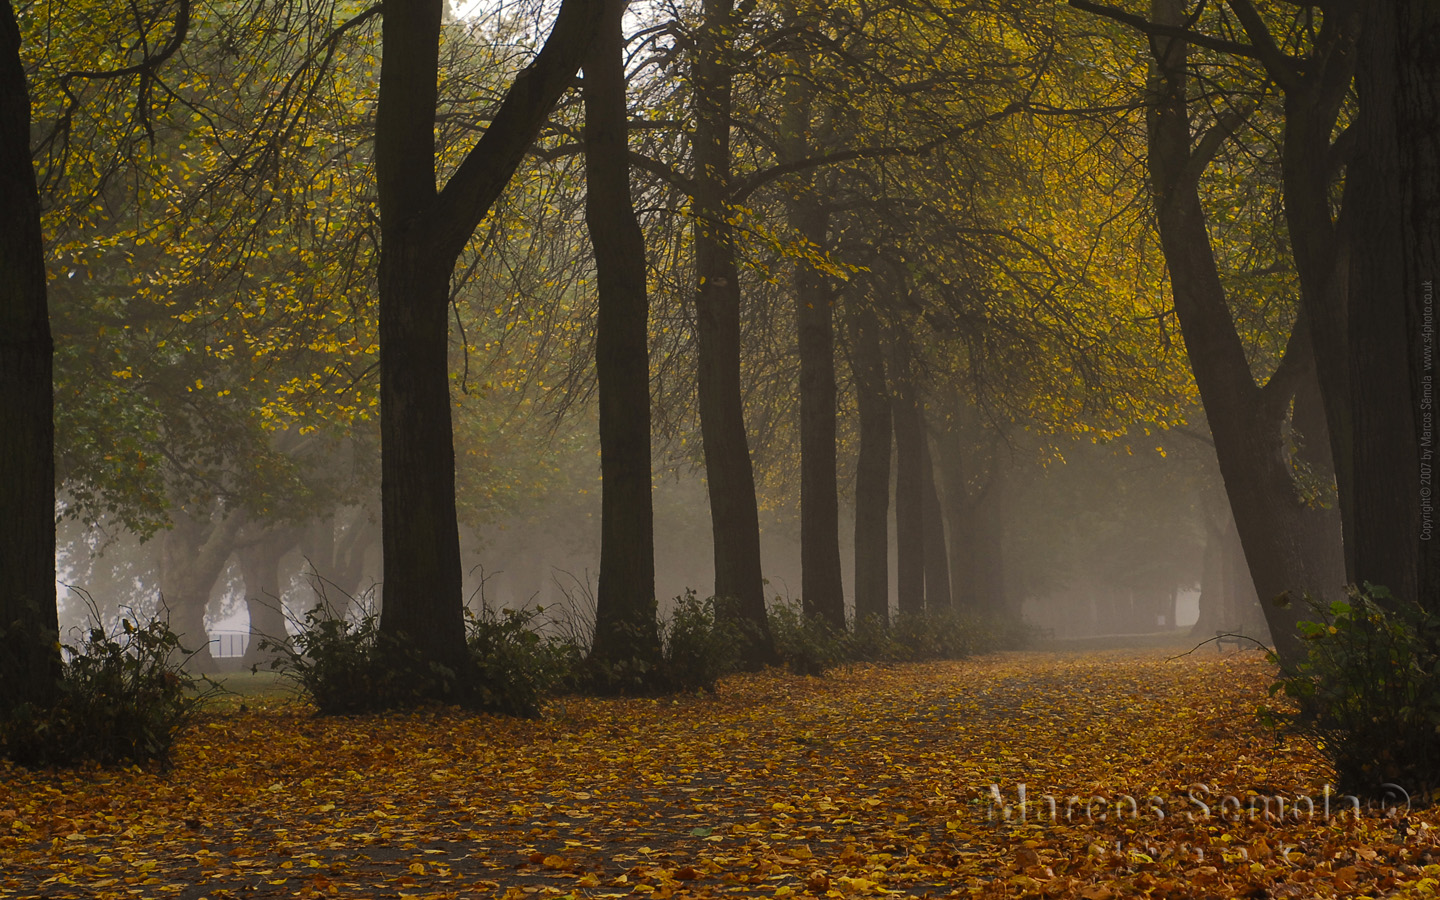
(1087, 539)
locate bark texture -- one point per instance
(1392, 224)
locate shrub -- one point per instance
(699, 646)
(350, 666)
(1368, 693)
(944, 634)
(872, 640)
(347, 666)
(805, 644)
(515, 667)
(123, 698)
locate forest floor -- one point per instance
(875, 780)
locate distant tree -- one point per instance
(872, 468)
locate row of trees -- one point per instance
(942, 224)
(1351, 95)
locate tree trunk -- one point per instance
(961, 532)
(264, 594)
(195, 553)
(1392, 224)
(422, 600)
(625, 611)
(29, 623)
(909, 482)
(1289, 546)
(872, 472)
(937, 563)
(1313, 102)
(994, 594)
(422, 233)
(730, 476)
(822, 589)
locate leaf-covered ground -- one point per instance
(872, 781)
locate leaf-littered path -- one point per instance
(1142, 776)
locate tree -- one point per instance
(423, 230)
(625, 610)
(821, 587)
(872, 471)
(1289, 542)
(1392, 226)
(730, 474)
(908, 414)
(30, 665)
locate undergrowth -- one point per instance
(1368, 693)
(123, 697)
(519, 658)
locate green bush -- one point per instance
(347, 666)
(123, 698)
(943, 634)
(873, 640)
(515, 667)
(805, 644)
(699, 647)
(1368, 693)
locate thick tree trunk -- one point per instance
(937, 563)
(1289, 546)
(872, 472)
(730, 476)
(422, 233)
(1392, 224)
(625, 626)
(909, 482)
(421, 597)
(30, 661)
(422, 602)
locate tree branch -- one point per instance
(1279, 66)
(1153, 29)
(750, 185)
(1211, 141)
(486, 169)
